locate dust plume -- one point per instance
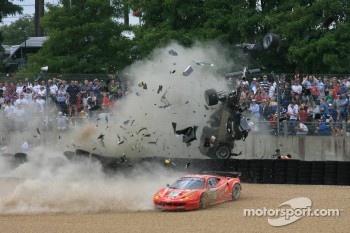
(49, 183)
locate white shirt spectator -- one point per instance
(297, 88)
(53, 89)
(19, 90)
(42, 92)
(36, 88)
(293, 111)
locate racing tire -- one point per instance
(211, 97)
(223, 152)
(236, 192)
(204, 201)
(270, 41)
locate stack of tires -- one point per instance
(343, 174)
(304, 172)
(317, 172)
(267, 171)
(292, 171)
(280, 171)
(244, 168)
(330, 172)
(256, 170)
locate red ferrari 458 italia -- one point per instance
(199, 191)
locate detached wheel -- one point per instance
(236, 192)
(271, 41)
(204, 201)
(223, 152)
(211, 97)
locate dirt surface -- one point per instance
(226, 217)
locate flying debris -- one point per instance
(144, 128)
(143, 85)
(120, 142)
(174, 126)
(160, 88)
(122, 127)
(206, 107)
(147, 135)
(188, 71)
(172, 52)
(38, 131)
(187, 165)
(126, 122)
(164, 100)
(172, 71)
(187, 102)
(101, 136)
(154, 142)
(203, 63)
(189, 134)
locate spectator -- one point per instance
(254, 109)
(301, 129)
(328, 86)
(62, 121)
(292, 112)
(92, 103)
(105, 101)
(265, 84)
(73, 90)
(342, 107)
(324, 107)
(62, 97)
(296, 87)
(52, 90)
(84, 92)
(321, 87)
(40, 103)
(42, 92)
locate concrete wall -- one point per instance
(315, 148)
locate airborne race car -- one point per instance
(226, 126)
(192, 192)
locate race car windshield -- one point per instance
(188, 183)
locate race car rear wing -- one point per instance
(222, 173)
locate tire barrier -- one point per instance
(268, 171)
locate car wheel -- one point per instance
(204, 201)
(236, 192)
(223, 152)
(270, 41)
(211, 97)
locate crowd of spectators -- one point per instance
(66, 100)
(309, 105)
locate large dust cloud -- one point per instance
(49, 182)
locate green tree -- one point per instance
(18, 31)
(83, 38)
(7, 8)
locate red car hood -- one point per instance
(176, 194)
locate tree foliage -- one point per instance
(85, 37)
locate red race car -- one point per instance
(199, 191)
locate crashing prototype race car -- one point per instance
(192, 192)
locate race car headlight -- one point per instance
(156, 196)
